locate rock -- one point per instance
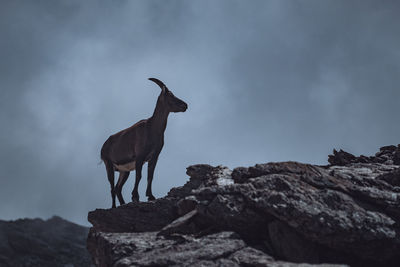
(253, 257)
(388, 149)
(149, 249)
(396, 156)
(392, 178)
(387, 155)
(202, 175)
(182, 225)
(289, 245)
(323, 213)
(231, 212)
(341, 158)
(35, 242)
(186, 205)
(282, 213)
(135, 217)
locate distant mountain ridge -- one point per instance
(36, 242)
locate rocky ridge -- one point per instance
(273, 214)
(36, 242)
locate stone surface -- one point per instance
(347, 212)
(135, 217)
(150, 249)
(183, 225)
(35, 242)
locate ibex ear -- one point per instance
(159, 83)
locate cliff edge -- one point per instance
(273, 214)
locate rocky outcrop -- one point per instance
(35, 242)
(269, 214)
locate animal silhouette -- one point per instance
(129, 149)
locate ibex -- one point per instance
(129, 149)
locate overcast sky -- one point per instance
(264, 81)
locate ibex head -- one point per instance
(173, 103)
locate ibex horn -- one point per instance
(160, 83)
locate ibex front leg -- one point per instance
(135, 193)
(150, 173)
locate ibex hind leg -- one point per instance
(123, 176)
(110, 175)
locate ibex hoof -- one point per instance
(149, 198)
(135, 198)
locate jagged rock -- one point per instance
(341, 158)
(202, 175)
(35, 242)
(347, 212)
(387, 155)
(392, 178)
(231, 212)
(135, 217)
(396, 156)
(154, 215)
(182, 225)
(150, 249)
(322, 212)
(186, 205)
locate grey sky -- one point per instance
(264, 80)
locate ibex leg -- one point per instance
(123, 176)
(135, 193)
(150, 174)
(110, 175)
